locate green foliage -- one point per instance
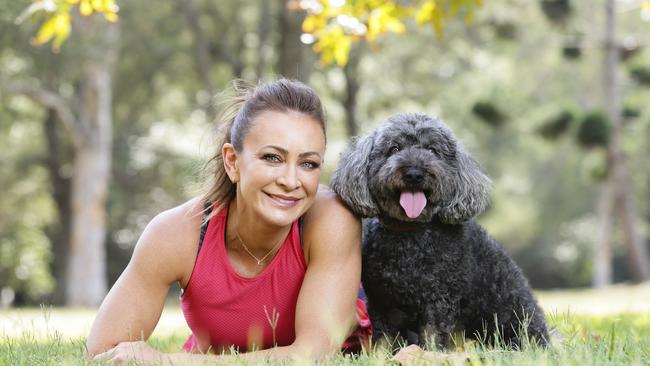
(631, 112)
(25, 206)
(641, 74)
(489, 113)
(594, 130)
(557, 11)
(571, 52)
(556, 126)
(506, 30)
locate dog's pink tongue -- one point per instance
(413, 203)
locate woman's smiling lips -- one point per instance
(283, 201)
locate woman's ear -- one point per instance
(229, 155)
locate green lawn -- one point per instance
(594, 332)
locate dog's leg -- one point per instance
(522, 326)
(386, 327)
(437, 324)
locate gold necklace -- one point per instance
(259, 260)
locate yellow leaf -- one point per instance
(85, 8)
(110, 5)
(424, 13)
(61, 36)
(437, 21)
(46, 32)
(374, 28)
(57, 26)
(395, 26)
(342, 50)
(309, 24)
(111, 17)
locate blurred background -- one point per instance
(102, 131)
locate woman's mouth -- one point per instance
(283, 201)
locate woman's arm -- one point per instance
(162, 256)
(326, 308)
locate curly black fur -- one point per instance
(439, 272)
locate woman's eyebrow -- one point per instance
(286, 152)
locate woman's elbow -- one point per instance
(316, 349)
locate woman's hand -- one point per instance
(139, 352)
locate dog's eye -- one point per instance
(393, 149)
(433, 150)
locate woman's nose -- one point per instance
(289, 178)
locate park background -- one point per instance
(102, 129)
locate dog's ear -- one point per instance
(469, 195)
(350, 180)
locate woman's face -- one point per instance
(278, 169)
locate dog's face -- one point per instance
(412, 165)
(413, 169)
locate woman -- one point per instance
(268, 260)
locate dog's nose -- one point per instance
(413, 175)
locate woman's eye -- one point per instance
(271, 158)
(393, 149)
(310, 165)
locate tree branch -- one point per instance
(48, 99)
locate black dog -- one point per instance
(428, 269)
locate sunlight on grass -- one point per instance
(71, 322)
(57, 336)
(610, 300)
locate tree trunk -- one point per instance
(87, 283)
(291, 60)
(263, 35)
(636, 251)
(351, 72)
(59, 233)
(602, 261)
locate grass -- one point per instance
(605, 338)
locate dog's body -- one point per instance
(428, 268)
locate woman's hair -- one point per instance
(238, 110)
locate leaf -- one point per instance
(57, 27)
(373, 18)
(342, 50)
(57, 24)
(63, 31)
(423, 15)
(111, 17)
(85, 8)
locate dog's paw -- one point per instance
(414, 355)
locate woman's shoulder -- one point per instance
(325, 200)
(173, 236)
(327, 219)
(181, 220)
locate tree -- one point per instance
(335, 25)
(89, 123)
(616, 192)
(619, 177)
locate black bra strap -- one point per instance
(300, 229)
(207, 209)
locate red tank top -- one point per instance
(224, 309)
